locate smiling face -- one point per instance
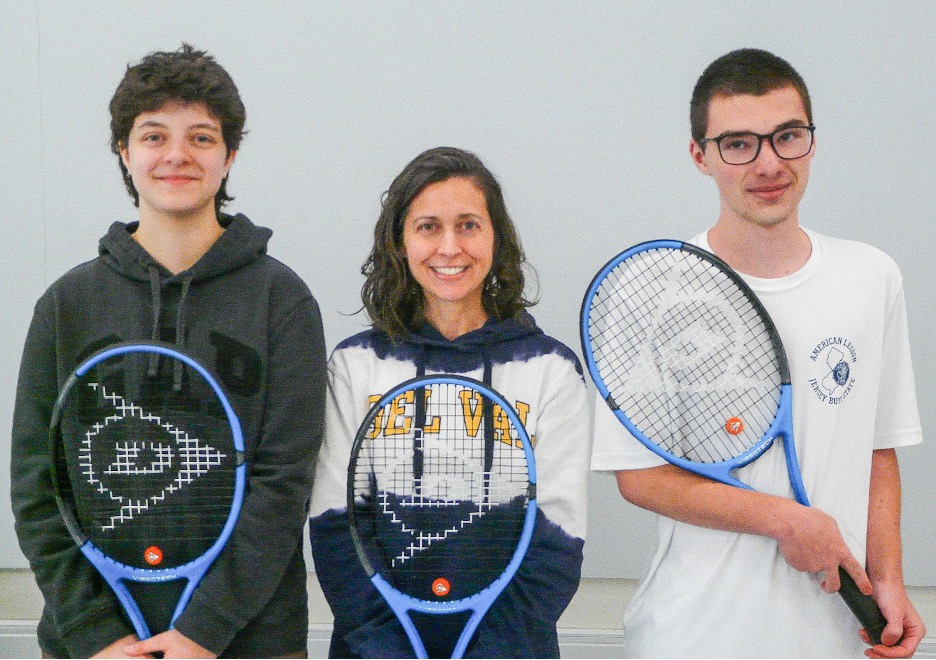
(768, 190)
(177, 159)
(448, 241)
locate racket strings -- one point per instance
(685, 355)
(151, 468)
(455, 519)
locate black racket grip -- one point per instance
(864, 607)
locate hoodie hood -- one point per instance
(486, 337)
(241, 243)
(496, 342)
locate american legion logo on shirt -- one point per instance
(833, 375)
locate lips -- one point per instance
(449, 270)
(769, 193)
(176, 179)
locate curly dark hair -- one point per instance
(188, 76)
(743, 71)
(392, 297)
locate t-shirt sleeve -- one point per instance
(614, 448)
(897, 423)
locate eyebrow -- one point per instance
(779, 127)
(152, 123)
(791, 124)
(461, 216)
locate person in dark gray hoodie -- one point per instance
(187, 274)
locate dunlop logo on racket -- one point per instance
(170, 452)
(441, 587)
(734, 425)
(153, 555)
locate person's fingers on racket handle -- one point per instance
(881, 650)
(118, 649)
(864, 607)
(169, 644)
(140, 649)
(856, 575)
(831, 580)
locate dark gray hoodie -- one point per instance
(254, 324)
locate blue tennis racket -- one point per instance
(688, 359)
(148, 467)
(441, 502)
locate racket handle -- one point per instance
(864, 607)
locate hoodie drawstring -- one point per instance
(487, 413)
(180, 333)
(156, 292)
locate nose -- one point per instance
(176, 152)
(767, 158)
(449, 243)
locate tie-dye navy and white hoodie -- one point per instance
(543, 379)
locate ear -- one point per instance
(124, 154)
(697, 154)
(229, 162)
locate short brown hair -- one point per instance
(744, 71)
(186, 75)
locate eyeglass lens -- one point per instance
(789, 143)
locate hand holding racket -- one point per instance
(441, 500)
(148, 470)
(690, 362)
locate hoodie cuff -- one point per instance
(83, 641)
(206, 627)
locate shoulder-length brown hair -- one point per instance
(392, 297)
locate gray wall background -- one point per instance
(580, 109)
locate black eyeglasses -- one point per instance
(741, 148)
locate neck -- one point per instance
(177, 243)
(765, 251)
(453, 321)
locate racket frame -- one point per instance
(480, 602)
(780, 427)
(113, 571)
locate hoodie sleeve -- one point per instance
(269, 530)
(86, 613)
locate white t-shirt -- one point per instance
(710, 593)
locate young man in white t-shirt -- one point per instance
(745, 573)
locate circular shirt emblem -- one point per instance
(832, 377)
